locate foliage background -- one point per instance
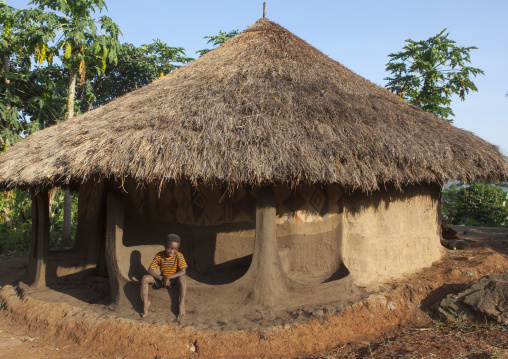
(478, 204)
(16, 221)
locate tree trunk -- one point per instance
(7, 210)
(51, 195)
(7, 81)
(71, 94)
(66, 232)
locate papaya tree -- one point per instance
(86, 42)
(164, 57)
(428, 72)
(217, 40)
(135, 67)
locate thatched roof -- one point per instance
(264, 107)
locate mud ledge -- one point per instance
(391, 306)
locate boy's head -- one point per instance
(171, 245)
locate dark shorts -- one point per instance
(172, 283)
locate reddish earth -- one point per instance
(398, 321)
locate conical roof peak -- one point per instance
(264, 24)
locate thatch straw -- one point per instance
(264, 107)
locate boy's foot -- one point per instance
(181, 311)
(145, 310)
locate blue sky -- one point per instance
(358, 34)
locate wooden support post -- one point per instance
(266, 268)
(114, 234)
(42, 241)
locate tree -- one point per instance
(9, 22)
(75, 30)
(15, 52)
(135, 67)
(164, 57)
(216, 40)
(478, 204)
(43, 96)
(131, 71)
(427, 73)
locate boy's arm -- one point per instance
(153, 266)
(154, 274)
(165, 280)
(182, 265)
(177, 274)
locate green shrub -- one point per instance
(16, 220)
(479, 204)
(56, 219)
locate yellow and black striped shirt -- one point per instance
(169, 265)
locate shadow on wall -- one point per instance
(136, 269)
(342, 272)
(217, 255)
(359, 201)
(226, 272)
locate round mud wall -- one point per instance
(389, 233)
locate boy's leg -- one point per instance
(183, 290)
(147, 279)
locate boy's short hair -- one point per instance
(172, 238)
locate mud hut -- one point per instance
(282, 170)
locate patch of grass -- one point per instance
(495, 355)
(16, 239)
(460, 325)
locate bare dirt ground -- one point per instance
(398, 321)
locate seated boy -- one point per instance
(172, 267)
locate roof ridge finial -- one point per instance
(264, 10)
